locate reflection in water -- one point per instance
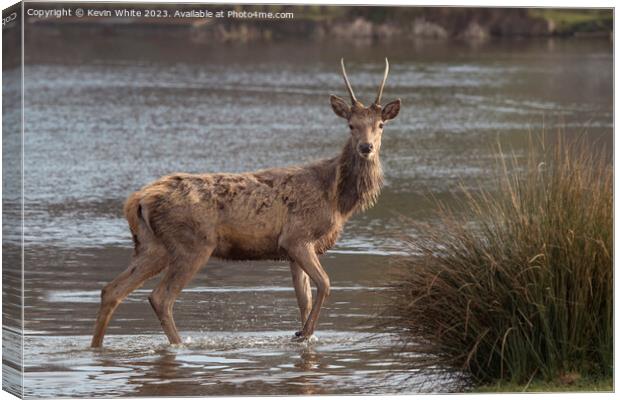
(308, 359)
(120, 113)
(164, 370)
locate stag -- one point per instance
(296, 214)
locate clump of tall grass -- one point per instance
(521, 287)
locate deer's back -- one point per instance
(244, 213)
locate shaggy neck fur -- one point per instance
(358, 180)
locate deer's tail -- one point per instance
(135, 215)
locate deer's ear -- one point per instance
(340, 107)
(390, 111)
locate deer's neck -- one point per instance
(358, 180)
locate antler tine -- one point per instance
(346, 81)
(385, 75)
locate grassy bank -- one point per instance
(524, 293)
(541, 386)
(566, 21)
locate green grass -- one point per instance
(581, 385)
(576, 20)
(525, 292)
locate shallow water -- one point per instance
(223, 362)
(106, 114)
(237, 320)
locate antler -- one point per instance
(387, 69)
(346, 81)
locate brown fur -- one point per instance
(294, 213)
(246, 214)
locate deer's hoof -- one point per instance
(298, 337)
(301, 338)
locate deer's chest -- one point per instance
(326, 238)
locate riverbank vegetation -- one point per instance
(576, 21)
(320, 22)
(588, 384)
(519, 290)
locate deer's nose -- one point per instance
(365, 148)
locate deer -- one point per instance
(292, 214)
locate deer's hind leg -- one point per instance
(144, 265)
(180, 272)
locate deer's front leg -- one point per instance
(301, 282)
(304, 256)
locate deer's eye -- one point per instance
(380, 125)
(351, 126)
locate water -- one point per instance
(106, 114)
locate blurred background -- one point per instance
(324, 22)
(112, 103)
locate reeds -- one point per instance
(521, 286)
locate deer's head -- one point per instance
(366, 123)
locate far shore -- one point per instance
(334, 22)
